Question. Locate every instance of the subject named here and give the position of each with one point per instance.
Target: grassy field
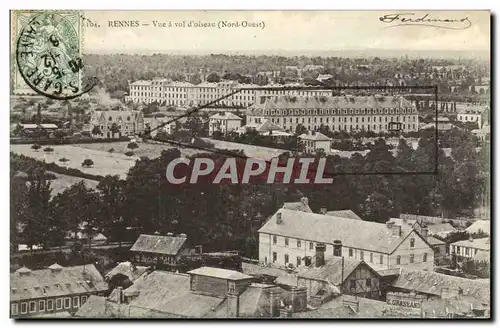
(104, 162)
(151, 150)
(64, 181)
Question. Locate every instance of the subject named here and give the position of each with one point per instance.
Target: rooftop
(480, 225)
(58, 281)
(314, 136)
(220, 273)
(344, 214)
(480, 243)
(225, 116)
(169, 245)
(127, 269)
(433, 283)
(353, 233)
(332, 270)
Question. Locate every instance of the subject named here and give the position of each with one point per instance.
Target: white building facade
(224, 123)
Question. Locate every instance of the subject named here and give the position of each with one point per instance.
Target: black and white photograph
(281, 164)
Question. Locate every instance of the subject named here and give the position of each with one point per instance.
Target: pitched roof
(297, 206)
(283, 277)
(440, 228)
(49, 283)
(484, 225)
(99, 307)
(118, 114)
(314, 136)
(353, 233)
(219, 273)
(170, 293)
(434, 241)
(127, 269)
(332, 270)
(480, 243)
(482, 256)
(225, 116)
(344, 214)
(433, 283)
(158, 283)
(169, 245)
(315, 102)
(440, 308)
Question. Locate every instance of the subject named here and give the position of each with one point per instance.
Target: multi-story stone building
(115, 124)
(339, 113)
(224, 122)
(290, 236)
(53, 290)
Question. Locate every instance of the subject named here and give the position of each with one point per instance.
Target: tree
(300, 129)
(114, 129)
(111, 150)
(87, 162)
(35, 147)
(129, 153)
(96, 130)
(48, 149)
(213, 77)
(132, 145)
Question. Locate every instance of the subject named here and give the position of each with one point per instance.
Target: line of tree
(227, 216)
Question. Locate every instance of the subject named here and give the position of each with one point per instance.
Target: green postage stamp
(47, 53)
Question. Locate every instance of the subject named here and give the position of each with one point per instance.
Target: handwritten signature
(426, 20)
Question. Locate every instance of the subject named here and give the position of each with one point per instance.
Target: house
(113, 124)
(439, 247)
(224, 122)
(345, 275)
(159, 251)
(441, 229)
(467, 249)
(313, 141)
(124, 274)
(205, 292)
(440, 286)
(479, 226)
(264, 127)
(291, 236)
(53, 290)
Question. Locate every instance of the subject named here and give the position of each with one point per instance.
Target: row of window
(47, 305)
(335, 111)
(351, 119)
(358, 127)
(468, 118)
(287, 242)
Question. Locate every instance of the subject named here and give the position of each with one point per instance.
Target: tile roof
(316, 102)
(332, 271)
(99, 307)
(283, 277)
(297, 206)
(265, 126)
(480, 243)
(483, 225)
(225, 116)
(353, 233)
(314, 136)
(434, 241)
(127, 269)
(169, 245)
(49, 283)
(441, 228)
(118, 114)
(433, 283)
(158, 284)
(440, 308)
(344, 214)
(220, 273)
(482, 256)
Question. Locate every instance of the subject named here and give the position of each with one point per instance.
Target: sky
(283, 31)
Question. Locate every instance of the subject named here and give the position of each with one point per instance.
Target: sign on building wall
(405, 300)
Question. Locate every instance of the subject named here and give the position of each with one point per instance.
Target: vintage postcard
(250, 164)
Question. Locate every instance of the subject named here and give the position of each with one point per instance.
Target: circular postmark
(48, 57)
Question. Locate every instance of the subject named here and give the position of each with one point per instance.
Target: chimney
(320, 254)
(279, 218)
(299, 299)
(396, 230)
(305, 201)
(389, 224)
(169, 234)
(120, 295)
(425, 232)
(323, 210)
(233, 305)
(273, 303)
(337, 248)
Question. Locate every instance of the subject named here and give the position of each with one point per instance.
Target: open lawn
(65, 181)
(104, 162)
